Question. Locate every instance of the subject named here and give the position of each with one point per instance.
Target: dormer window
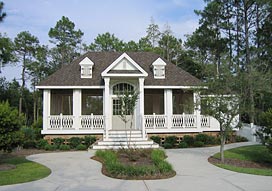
(86, 68)
(159, 69)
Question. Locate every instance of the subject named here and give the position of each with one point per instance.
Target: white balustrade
(184, 121)
(92, 121)
(205, 121)
(155, 121)
(61, 121)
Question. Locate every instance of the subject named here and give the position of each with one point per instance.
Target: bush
(81, 147)
(167, 146)
(29, 144)
(171, 141)
(58, 141)
(265, 133)
(89, 140)
(50, 147)
(202, 138)
(41, 143)
(182, 144)
(189, 140)
(64, 147)
(156, 139)
(240, 139)
(198, 144)
(74, 142)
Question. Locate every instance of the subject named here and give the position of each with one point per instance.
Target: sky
(126, 19)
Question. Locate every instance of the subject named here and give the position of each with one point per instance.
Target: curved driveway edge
(75, 171)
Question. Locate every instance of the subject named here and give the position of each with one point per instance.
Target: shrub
(202, 137)
(81, 147)
(240, 139)
(182, 144)
(64, 147)
(265, 133)
(29, 144)
(41, 143)
(58, 141)
(167, 146)
(156, 139)
(198, 144)
(50, 147)
(74, 142)
(171, 140)
(189, 140)
(89, 140)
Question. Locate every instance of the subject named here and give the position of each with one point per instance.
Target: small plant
(41, 143)
(89, 140)
(64, 147)
(170, 141)
(81, 147)
(156, 139)
(202, 137)
(58, 141)
(198, 144)
(189, 140)
(240, 139)
(50, 147)
(167, 146)
(182, 144)
(74, 142)
(29, 144)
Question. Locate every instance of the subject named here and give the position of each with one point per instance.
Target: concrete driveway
(75, 171)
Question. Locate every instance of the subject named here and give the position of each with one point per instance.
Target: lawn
(254, 159)
(25, 171)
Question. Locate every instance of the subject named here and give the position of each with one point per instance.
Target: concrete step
(139, 146)
(124, 139)
(124, 143)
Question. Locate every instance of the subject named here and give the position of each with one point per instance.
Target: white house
(81, 98)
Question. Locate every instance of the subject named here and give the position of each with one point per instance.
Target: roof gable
(127, 67)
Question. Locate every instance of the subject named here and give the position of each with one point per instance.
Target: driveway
(75, 171)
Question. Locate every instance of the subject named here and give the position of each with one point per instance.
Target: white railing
(155, 121)
(205, 121)
(184, 121)
(61, 121)
(92, 121)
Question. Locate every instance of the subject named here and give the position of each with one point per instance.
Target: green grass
(254, 153)
(114, 168)
(25, 171)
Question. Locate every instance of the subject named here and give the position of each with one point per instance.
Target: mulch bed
(240, 163)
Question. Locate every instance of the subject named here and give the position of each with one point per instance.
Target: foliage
(170, 142)
(2, 14)
(81, 147)
(58, 141)
(6, 49)
(50, 147)
(106, 42)
(183, 144)
(89, 140)
(189, 140)
(41, 143)
(10, 123)
(156, 139)
(198, 144)
(63, 147)
(25, 171)
(116, 169)
(74, 142)
(240, 139)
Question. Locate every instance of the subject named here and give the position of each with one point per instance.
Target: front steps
(120, 139)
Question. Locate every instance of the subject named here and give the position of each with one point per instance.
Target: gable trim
(106, 73)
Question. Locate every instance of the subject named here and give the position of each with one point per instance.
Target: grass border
(25, 171)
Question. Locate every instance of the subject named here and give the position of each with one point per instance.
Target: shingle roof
(69, 75)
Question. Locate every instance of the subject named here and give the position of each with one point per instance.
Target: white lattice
(184, 121)
(92, 121)
(205, 121)
(155, 121)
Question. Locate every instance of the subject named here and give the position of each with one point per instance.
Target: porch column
(168, 107)
(77, 108)
(106, 106)
(141, 106)
(46, 108)
(197, 110)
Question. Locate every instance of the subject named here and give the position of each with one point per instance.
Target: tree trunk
(223, 140)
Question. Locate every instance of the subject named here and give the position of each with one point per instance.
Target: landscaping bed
(254, 159)
(135, 164)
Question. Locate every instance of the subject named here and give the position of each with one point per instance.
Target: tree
(153, 33)
(6, 50)
(2, 14)
(25, 48)
(128, 103)
(67, 41)
(107, 42)
(10, 125)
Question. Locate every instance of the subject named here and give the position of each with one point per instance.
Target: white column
(77, 108)
(141, 107)
(197, 110)
(168, 106)
(106, 106)
(46, 108)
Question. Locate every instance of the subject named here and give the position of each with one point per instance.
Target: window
(153, 101)
(92, 102)
(183, 102)
(159, 72)
(61, 102)
(122, 88)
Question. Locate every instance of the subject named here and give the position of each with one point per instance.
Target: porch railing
(155, 121)
(184, 121)
(92, 121)
(61, 121)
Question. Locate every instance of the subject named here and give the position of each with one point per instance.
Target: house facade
(83, 98)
